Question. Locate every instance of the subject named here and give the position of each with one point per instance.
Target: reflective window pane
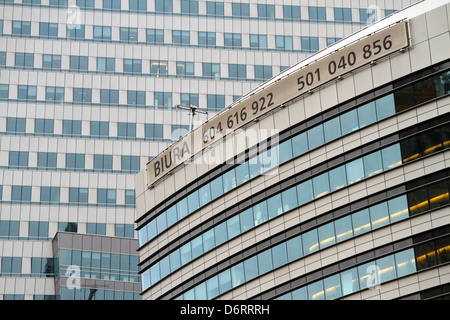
(361, 222)
(321, 185)
(438, 194)
(285, 151)
(405, 262)
(274, 206)
(310, 242)
(233, 227)
(305, 192)
(260, 213)
(332, 129)
(251, 268)
(289, 199)
(355, 171)
(349, 122)
(387, 268)
(279, 254)
(338, 178)
(220, 232)
(326, 235)
(398, 208)
(385, 106)
(246, 219)
(224, 281)
(391, 157)
(332, 286)
(350, 282)
(315, 291)
(418, 201)
(299, 144)
(315, 137)
(294, 248)
(343, 228)
(367, 114)
(237, 275)
(372, 164)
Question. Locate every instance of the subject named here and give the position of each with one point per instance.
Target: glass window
(241, 9)
(79, 63)
(153, 130)
(385, 106)
(289, 198)
(332, 129)
(332, 287)
(263, 72)
(438, 194)
(78, 195)
(321, 185)
(102, 33)
(300, 144)
(305, 192)
(285, 151)
(163, 5)
(155, 35)
(274, 206)
(180, 37)
(410, 149)
(425, 255)
(279, 255)
(349, 122)
(237, 275)
(75, 161)
(327, 236)
(338, 178)
(368, 15)
(197, 247)
(208, 240)
(343, 228)
(214, 8)
(132, 66)
(171, 214)
(216, 188)
(106, 64)
(193, 202)
(229, 181)
(367, 114)
(343, 14)
(224, 281)
(189, 6)
(398, 208)
(258, 41)
(212, 288)
(355, 171)
(260, 213)
(185, 68)
(220, 232)
(163, 99)
(21, 193)
(204, 194)
(294, 248)
(138, 5)
(211, 70)
(430, 141)
(372, 164)
(50, 194)
(317, 13)
(361, 222)
(349, 280)
(18, 158)
(315, 137)
(182, 209)
(387, 268)
(4, 91)
(237, 71)
(291, 12)
(251, 268)
(233, 227)
(315, 291)
(242, 173)
(125, 129)
(405, 262)
(246, 220)
(391, 157)
(310, 242)
(283, 42)
(379, 215)
(265, 262)
(158, 68)
(310, 44)
(47, 159)
(24, 60)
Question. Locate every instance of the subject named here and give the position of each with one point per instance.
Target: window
(291, 12)
(78, 195)
(138, 5)
(51, 61)
(106, 64)
(310, 43)
(368, 16)
(130, 163)
(85, 3)
(136, 97)
(21, 193)
(4, 91)
(48, 29)
(100, 128)
(55, 94)
(15, 125)
(215, 101)
(11, 266)
(185, 68)
(155, 35)
(330, 41)
(106, 196)
(163, 99)
(78, 63)
(109, 96)
(266, 10)
(102, 33)
(127, 130)
(21, 28)
(163, 6)
(43, 126)
(50, 194)
(180, 37)
(111, 4)
(103, 162)
(29, 1)
(189, 99)
(96, 228)
(263, 72)
(132, 66)
(75, 31)
(130, 197)
(241, 9)
(206, 38)
(153, 130)
(124, 230)
(129, 34)
(177, 132)
(317, 13)
(46, 160)
(67, 226)
(8, 228)
(388, 12)
(82, 95)
(233, 40)
(189, 6)
(2, 58)
(26, 92)
(283, 42)
(59, 3)
(158, 67)
(75, 161)
(211, 70)
(214, 8)
(237, 71)
(72, 127)
(18, 159)
(343, 14)
(24, 60)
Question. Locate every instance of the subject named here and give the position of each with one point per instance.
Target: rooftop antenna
(192, 111)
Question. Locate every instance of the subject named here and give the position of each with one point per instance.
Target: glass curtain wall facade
(349, 200)
(87, 96)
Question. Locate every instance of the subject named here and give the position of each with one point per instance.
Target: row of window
(158, 68)
(214, 102)
(386, 269)
(217, 9)
(97, 294)
(309, 190)
(98, 130)
(426, 255)
(52, 195)
(10, 229)
(304, 142)
(179, 37)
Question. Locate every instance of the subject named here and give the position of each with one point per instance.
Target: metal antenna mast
(192, 111)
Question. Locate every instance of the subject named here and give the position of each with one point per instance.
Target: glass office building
(332, 181)
(87, 96)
